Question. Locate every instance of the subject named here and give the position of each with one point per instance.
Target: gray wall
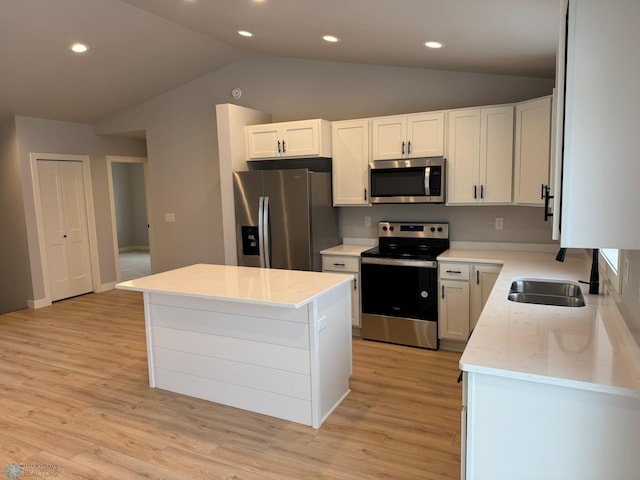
(182, 140)
(466, 224)
(130, 204)
(14, 261)
(37, 135)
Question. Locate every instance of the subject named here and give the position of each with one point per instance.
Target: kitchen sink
(546, 292)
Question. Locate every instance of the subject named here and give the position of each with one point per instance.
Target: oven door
(399, 301)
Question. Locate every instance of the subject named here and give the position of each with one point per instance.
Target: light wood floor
(74, 394)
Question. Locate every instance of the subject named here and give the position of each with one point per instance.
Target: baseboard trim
(40, 303)
(105, 287)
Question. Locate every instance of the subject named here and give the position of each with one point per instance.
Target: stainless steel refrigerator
(284, 218)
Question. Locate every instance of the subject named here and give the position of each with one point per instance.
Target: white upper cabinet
(602, 127)
(304, 138)
(480, 156)
(408, 136)
(350, 166)
(532, 149)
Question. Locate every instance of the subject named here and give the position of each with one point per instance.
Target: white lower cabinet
(463, 292)
(347, 264)
(483, 278)
(530, 430)
(453, 302)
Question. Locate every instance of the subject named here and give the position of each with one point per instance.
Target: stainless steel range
(400, 284)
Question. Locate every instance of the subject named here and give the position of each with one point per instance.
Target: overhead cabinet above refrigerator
(284, 218)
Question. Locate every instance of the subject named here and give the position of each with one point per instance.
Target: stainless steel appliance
(284, 218)
(399, 284)
(416, 180)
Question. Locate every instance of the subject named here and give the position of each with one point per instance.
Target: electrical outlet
(367, 221)
(499, 223)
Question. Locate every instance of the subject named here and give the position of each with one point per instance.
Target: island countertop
(262, 286)
(583, 347)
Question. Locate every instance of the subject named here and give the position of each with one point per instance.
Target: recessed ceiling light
(79, 48)
(330, 38)
(244, 33)
(431, 44)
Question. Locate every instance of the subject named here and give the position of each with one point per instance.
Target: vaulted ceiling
(141, 48)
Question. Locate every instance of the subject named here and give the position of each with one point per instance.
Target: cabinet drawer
(340, 263)
(454, 271)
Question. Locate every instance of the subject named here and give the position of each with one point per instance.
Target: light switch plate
(499, 223)
(367, 221)
(169, 217)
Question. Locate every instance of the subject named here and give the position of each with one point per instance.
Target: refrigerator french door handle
(267, 229)
(261, 231)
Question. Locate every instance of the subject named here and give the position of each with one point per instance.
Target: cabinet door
(389, 135)
(463, 155)
(601, 166)
(482, 281)
(454, 310)
(425, 134)
(301, 138)
(347, 264)
(496, 155)
(533, 138)
(350, 162)
(263, 141)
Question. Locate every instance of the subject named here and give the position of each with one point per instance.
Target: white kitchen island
(276, 342)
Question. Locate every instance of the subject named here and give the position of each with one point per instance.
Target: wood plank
(74, 392)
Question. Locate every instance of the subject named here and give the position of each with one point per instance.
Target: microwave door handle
(427, 173)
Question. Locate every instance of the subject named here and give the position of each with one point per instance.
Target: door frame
(90, 213)
(111, 159)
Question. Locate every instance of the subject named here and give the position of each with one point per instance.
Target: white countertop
(263, 286)
(586, 347)
(350, 250)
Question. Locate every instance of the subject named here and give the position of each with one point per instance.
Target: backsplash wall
(631, 294)
(466, 224)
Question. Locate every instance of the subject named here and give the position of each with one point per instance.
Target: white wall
(184, 170)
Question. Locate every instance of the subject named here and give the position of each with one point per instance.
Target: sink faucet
(594, 278)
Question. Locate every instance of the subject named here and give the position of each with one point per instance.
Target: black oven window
(405, 182)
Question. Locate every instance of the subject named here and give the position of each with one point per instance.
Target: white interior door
(65, 228)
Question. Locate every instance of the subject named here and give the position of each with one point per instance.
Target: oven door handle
(396, 262)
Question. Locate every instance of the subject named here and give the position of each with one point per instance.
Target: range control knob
(384, 228)
(433, 229)
(439, 229)
(391, 228)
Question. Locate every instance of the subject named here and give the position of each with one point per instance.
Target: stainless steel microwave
(415, 180)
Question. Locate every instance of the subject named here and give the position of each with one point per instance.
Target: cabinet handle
(402, 148)
(547, 197)
(475, 192)
(339, 265)
(355, 283)
(284, 148)
(477, 277)
(481, 191)
(542, 191)
(442, 291)
(365, 193)
(279, 151)
(409, 147)
(454, 271)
